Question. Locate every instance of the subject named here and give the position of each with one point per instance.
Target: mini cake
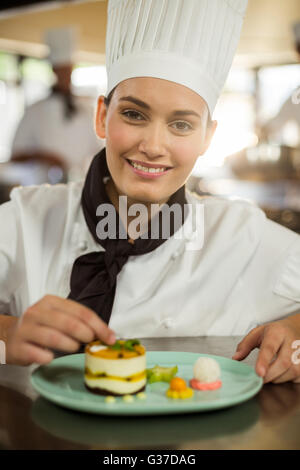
(115, 370)
(206, 374)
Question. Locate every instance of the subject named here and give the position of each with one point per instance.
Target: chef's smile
(146, 170)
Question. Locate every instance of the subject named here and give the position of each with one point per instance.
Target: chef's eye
(181, 126)
(133, 115)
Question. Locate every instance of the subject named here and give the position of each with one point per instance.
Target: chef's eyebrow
(136, 101)
(177, 113)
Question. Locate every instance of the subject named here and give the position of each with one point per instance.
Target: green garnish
(161, 374)
(116, 346)
(129, 345)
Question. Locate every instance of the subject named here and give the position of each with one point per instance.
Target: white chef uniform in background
(245, 273)
(44, 126)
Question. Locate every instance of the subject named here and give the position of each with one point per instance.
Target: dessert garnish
(161, 374)
(206, 374)
(128, 344)
(178, 389)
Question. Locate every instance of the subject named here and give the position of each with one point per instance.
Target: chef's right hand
(53, 323)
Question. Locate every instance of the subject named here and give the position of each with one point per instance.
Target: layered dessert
(115, 370)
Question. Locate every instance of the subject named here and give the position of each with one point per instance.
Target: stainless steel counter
(270, 420)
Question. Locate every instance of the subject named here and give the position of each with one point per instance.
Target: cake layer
(119, 387)
(115, 367)
(131, 378)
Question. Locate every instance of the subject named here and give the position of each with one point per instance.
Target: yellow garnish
(141, 396)
(110, 399)
(178, 389)
(128, 398)
(183, 394)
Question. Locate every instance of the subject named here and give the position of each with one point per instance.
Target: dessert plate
(62, 383)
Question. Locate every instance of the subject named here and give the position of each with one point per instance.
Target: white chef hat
(190, 42)
(296, 29)
(62, 44)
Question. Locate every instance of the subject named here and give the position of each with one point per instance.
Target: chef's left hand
(276, 359)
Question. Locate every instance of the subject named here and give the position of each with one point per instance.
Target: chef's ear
(101, 118)
(210, 131)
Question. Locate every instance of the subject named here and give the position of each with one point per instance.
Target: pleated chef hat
(61, 43)
(190, 42)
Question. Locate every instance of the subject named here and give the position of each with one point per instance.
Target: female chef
(232, 272)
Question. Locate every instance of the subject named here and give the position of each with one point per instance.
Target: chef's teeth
(148, 170)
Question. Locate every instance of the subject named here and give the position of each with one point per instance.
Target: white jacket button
(175, 254)
(167, 323)
(192, 236)
(83, 245)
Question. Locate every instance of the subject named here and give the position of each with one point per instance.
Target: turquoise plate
(61, 382)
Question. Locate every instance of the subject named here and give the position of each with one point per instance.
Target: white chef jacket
(45, 128)
(246, 271)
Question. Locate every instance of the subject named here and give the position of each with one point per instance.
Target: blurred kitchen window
(276, 84)
(8, 66)
(235, 113)
(89, 79)
(37, 79)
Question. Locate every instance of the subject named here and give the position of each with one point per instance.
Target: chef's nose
(154, 141)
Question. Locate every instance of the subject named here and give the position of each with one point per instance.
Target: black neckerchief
(94, 275)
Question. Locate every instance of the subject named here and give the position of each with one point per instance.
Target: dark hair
(107, 99)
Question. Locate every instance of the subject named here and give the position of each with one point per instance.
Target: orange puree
(110, 353)
(179, 389)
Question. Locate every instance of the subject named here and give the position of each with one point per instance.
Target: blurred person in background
(59, 128)
(290, 110)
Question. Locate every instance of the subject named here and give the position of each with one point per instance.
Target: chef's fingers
(284, 368)
(24, 354)
(287, 376)
(251, 341)
(47, 337)
(271, 343)
(69, 325)
(85, 314)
